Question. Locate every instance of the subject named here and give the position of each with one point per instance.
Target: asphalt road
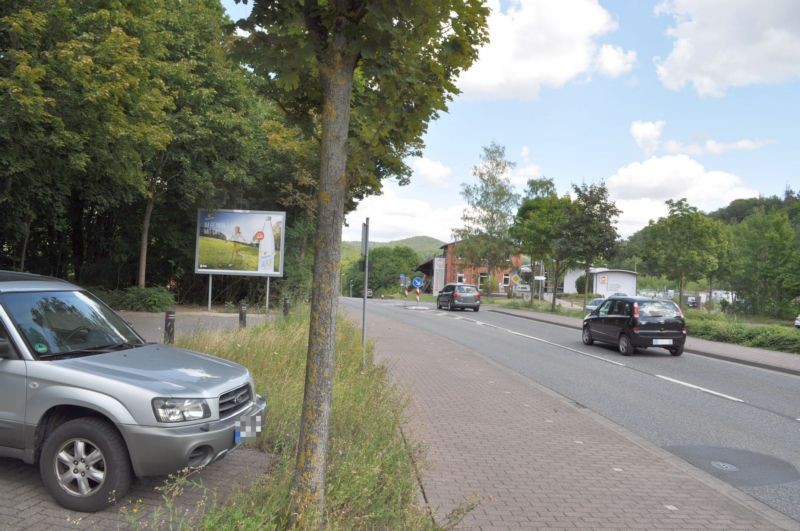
(738, 423)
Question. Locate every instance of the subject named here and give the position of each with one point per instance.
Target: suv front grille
(233, 401)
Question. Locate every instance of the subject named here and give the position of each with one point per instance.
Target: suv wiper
(94, 350)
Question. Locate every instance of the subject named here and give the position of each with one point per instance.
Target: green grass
(223, 254)
(371, 481)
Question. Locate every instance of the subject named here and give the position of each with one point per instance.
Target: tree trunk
(76, 235)
(143, 243)
(307, 501)
(556, 265)
(681, 283)
(586, 286)
(25, 237)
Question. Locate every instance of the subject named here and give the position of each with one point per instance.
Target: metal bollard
(242, 316)
(169, 326)
(285, 306)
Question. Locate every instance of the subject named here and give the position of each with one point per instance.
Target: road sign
(417, 282)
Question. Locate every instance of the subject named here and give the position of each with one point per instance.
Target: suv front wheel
(85, 465)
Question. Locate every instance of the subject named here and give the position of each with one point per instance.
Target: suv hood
(163, 369)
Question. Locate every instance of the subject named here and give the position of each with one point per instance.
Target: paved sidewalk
(530, 459)
(758, 357)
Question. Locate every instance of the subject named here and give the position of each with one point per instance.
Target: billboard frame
(201, 216)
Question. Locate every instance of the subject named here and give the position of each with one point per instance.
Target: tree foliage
(685, 245)
(386, 266)
(484, 237)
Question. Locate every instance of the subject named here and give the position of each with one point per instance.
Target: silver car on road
(86, 398)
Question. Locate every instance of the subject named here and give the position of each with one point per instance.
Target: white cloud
(713, 147)
(392, 217)
(432, 171)
(613, 61)
(641, 188)
(542, 43)
(647, 135)
(520, 175)
(720, 44)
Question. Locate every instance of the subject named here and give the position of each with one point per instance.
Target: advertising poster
(240, 242)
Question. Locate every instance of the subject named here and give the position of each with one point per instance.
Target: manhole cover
(737, 466)
(725, 467)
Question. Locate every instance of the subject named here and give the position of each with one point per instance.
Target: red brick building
(458, 270)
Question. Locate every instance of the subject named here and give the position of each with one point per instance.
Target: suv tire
(106, 477)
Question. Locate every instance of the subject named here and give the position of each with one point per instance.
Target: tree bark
(556, 266)
(24, 251)
(307, 502)
(681, 284)
(143, 243)
(76, 235)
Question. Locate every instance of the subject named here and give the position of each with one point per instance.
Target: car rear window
(658, 309)
(466, 289)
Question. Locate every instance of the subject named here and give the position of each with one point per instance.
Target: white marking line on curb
(601, 358)
(709, 391)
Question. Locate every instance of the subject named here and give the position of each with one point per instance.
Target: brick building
(458, 270)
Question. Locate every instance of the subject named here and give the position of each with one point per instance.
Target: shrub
(137, 299)
(771, 337)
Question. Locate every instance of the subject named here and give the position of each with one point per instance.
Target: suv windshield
(658, 309)
(56, 323)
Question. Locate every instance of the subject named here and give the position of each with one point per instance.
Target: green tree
(212, 130)
(766, 263)
(685, 245)
(540, 228)
(491, 202)
(394, 65)
(592, 233)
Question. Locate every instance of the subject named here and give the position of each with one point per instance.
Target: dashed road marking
(703, 389)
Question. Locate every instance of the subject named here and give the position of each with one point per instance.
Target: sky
(666, 99)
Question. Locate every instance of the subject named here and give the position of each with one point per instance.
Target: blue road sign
(417, 282)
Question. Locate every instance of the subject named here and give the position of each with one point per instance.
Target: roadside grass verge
(371, 478)
(720, 328)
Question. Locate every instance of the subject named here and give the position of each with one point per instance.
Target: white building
(604, 281)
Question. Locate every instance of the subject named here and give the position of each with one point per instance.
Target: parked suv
(632, 322)
(458, 297)
(86, 398)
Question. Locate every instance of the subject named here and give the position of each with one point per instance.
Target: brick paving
(530, 459)
(24, 503)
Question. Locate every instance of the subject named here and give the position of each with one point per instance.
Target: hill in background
(425, 246)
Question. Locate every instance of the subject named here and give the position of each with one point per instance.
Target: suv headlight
(180, 409)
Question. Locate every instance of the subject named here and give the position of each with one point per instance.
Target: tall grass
(371, 481)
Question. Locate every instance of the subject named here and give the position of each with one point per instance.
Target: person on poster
(266, 247)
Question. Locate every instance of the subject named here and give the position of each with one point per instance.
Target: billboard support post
(210, 283)
(266, 300)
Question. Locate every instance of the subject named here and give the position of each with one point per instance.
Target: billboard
(240, 242)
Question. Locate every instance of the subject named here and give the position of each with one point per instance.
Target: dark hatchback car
(459, 296)
(637, 322)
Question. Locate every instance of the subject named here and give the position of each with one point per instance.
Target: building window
(506, 279)
(483, 280)
(460, 277)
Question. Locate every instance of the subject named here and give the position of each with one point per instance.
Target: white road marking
(671, 507)
(601, 358)
(709, 391)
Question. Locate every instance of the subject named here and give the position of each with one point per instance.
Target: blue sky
(659, 99)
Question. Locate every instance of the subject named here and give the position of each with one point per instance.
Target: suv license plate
(662, 342)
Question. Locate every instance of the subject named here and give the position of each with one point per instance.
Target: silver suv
(85, 397)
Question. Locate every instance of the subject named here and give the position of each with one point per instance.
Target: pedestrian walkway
(507, 453)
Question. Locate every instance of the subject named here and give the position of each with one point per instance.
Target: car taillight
(636, 310)
(478, 296)
(456, 295)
